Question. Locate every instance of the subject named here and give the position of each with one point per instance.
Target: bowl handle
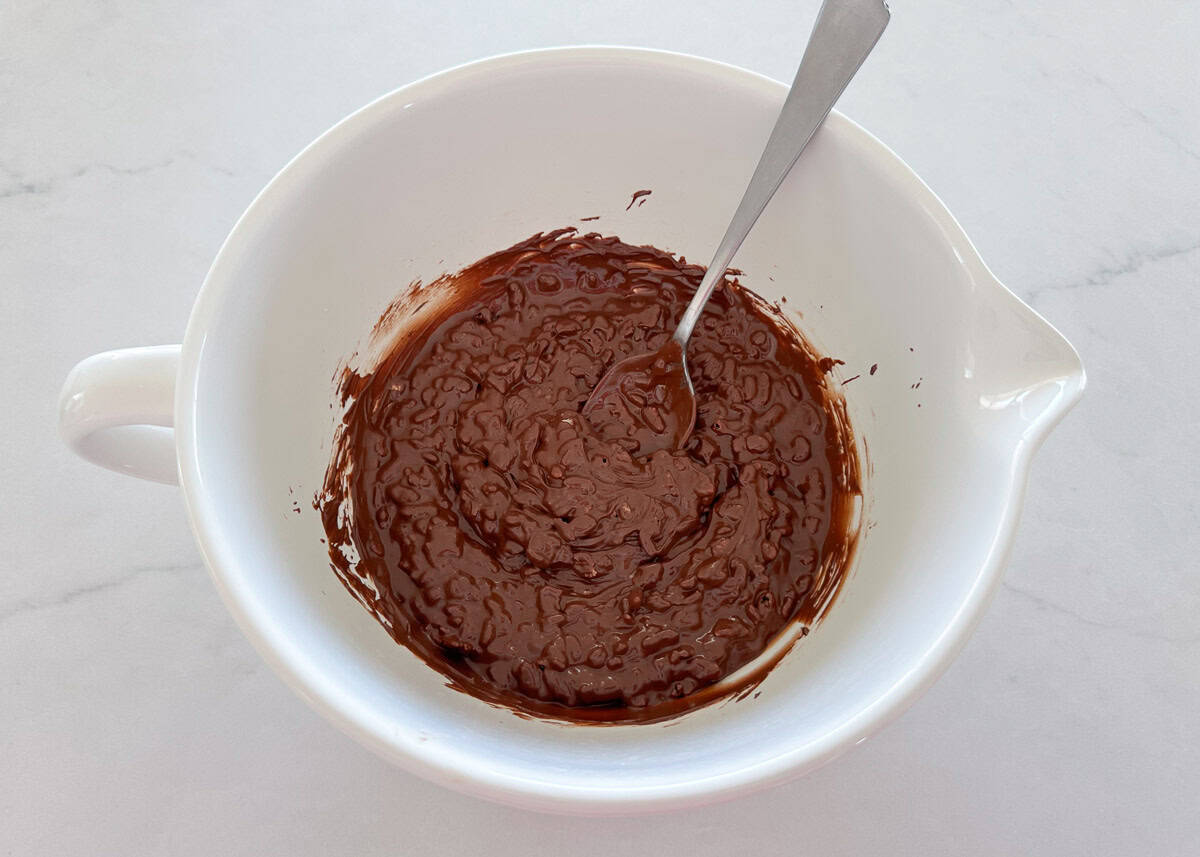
(117, 410)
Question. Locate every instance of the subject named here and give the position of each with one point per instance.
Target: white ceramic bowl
(448, 169)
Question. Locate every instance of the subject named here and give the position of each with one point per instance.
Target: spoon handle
(845, 32)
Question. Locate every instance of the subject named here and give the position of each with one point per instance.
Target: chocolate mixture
(544, 562)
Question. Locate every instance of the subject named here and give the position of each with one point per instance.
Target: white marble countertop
(135, 719)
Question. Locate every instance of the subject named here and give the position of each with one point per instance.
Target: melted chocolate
(556, 566)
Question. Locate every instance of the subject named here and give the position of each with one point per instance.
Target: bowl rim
(425, 758)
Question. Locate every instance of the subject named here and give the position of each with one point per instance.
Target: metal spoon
(649, 397)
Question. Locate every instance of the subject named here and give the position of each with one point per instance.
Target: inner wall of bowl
(424, 183)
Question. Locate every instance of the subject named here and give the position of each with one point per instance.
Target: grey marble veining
(135, 719)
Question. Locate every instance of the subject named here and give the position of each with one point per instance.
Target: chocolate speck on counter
(542, 563)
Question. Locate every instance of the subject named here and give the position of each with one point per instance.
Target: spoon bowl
(647, 399)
